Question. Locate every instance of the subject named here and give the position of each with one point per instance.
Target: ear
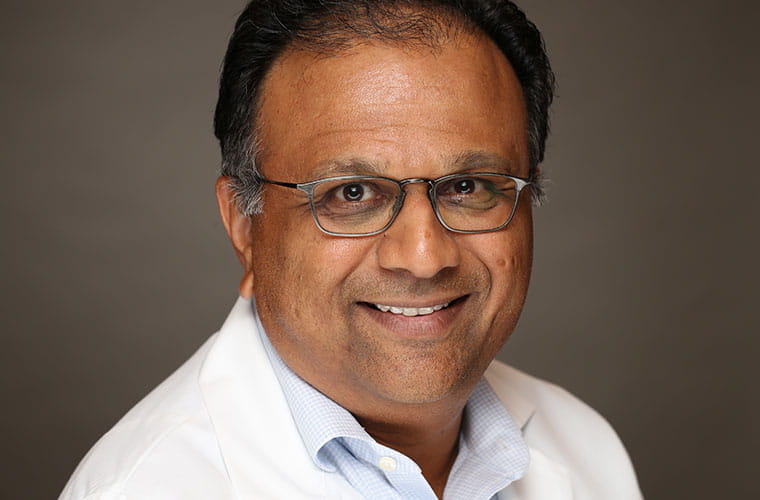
(238, 227)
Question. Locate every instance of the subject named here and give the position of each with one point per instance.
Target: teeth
(411, 311)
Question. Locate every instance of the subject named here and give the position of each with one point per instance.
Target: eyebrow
(462, 162)
(481, 160)
(351, 166)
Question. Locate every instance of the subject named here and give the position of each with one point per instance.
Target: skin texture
(401, 113)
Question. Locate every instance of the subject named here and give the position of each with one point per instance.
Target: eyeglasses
(365, 205)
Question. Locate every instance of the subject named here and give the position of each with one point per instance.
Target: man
(379, 161)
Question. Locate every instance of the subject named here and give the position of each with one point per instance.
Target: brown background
(115, 266)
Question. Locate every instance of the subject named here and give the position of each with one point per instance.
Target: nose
(416, 242)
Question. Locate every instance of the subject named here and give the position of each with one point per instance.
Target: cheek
(507, 255)
(509, 267)
(329, 259)
(293, 256)
(518, 258)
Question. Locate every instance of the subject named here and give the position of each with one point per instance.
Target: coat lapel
(545, 479)
(263, 452)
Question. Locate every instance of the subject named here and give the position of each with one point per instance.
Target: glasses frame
(308, 188)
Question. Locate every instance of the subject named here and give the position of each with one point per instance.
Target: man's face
(402, 114)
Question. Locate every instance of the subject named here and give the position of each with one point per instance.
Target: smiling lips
(431, 322)
(411, 311)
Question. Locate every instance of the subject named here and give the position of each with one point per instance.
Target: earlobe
(238, 227)
(246, 285)
(246, 282)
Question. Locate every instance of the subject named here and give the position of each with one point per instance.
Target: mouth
(413, 311)
(416, 319)
(410, 311)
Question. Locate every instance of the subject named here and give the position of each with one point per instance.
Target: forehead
(388, 105)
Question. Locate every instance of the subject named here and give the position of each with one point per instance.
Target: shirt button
(388, 464)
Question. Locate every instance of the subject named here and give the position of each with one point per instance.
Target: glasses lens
(356, 205)
(476, 202)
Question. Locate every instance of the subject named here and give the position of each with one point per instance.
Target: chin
(425, 384)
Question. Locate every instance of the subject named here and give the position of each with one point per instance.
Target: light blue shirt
(492, 452)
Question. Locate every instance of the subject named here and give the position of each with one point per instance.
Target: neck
(430, 438)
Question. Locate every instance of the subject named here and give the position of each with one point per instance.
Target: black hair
(268, 28)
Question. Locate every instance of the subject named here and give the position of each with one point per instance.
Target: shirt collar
(490, 438)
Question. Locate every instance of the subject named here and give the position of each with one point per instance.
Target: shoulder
(166, 439)
(567, 432)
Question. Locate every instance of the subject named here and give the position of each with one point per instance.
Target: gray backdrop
(115, 266)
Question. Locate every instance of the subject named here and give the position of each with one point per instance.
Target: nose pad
(416, 242)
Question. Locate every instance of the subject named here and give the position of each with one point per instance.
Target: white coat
(220, 428)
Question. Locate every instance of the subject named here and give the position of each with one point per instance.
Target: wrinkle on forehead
(391, 80)
(390, 73)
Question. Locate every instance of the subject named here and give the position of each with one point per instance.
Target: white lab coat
(220, 428)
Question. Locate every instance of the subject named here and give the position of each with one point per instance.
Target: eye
(476, 192)
(464, 186)
(353, 192)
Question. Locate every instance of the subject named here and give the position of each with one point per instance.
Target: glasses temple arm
(291, 185)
